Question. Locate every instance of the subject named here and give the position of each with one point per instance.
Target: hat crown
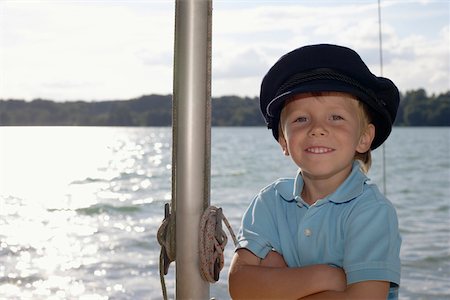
(321, 56)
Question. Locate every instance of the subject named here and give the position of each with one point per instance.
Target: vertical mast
(191, 139)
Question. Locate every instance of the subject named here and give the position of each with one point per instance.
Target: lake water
(80, 206)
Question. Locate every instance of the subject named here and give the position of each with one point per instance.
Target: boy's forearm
(363, 290)
(257, 282)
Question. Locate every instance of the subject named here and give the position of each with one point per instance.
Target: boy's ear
(283, 143)
(365, 141)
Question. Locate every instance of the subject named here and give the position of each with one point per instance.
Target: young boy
(328, 233)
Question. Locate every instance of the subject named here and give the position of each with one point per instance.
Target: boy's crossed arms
(270, 278)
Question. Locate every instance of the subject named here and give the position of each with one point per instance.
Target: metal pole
(191, 139)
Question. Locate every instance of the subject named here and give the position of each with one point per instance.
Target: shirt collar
(351, 188)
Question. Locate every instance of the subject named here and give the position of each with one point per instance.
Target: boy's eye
(301, 119)
(336, 117)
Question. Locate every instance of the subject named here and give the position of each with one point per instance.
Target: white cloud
(95, 51)
(413, 59)
(67, 50)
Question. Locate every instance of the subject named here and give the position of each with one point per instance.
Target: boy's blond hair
(365, 159)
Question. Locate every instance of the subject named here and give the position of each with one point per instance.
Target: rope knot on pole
(213, 240)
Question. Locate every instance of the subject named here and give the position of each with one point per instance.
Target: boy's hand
(336, 278)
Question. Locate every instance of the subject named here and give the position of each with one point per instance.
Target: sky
(98, 50)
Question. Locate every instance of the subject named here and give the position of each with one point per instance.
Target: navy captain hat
(329, 68)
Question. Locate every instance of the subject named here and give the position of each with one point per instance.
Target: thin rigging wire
(380, 40)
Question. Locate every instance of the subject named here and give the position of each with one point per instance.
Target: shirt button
(307, 232)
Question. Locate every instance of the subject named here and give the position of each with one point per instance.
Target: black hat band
(322, 74)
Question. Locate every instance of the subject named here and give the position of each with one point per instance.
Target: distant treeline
(416, 109)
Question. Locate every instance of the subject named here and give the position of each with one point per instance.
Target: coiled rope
(212, 242)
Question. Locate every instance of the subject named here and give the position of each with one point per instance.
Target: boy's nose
(318, 130)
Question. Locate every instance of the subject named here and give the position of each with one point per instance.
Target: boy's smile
(322, 134)
(319, 150)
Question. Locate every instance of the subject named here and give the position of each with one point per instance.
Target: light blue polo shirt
(354, 228)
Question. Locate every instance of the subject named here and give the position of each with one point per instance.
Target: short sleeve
(258, 232)
(372, 244)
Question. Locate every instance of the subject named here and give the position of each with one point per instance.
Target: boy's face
(322, 133)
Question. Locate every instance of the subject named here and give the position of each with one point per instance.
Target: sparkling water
(80, 206)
